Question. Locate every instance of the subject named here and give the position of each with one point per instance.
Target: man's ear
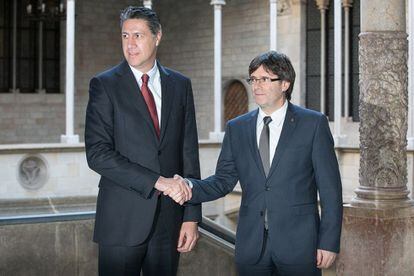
(285, 86)
(159, 35)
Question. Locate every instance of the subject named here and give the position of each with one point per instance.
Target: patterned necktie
(149, 100)
(264, 145)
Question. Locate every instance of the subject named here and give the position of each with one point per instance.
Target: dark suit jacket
(122, 146)
(304, 163)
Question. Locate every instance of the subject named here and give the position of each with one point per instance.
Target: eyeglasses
(261, 80)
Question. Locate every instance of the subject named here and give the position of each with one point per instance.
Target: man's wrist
(189, 183)
(158, 183)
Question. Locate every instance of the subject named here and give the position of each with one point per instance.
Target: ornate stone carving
(284, 7)
(383, 110)
(32, 172)
(322, 4)
(347, 3)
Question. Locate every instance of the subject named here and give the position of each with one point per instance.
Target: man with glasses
(283, 155)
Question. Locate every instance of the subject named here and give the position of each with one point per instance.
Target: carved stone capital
(322, 4)
(347, 3)
(299, 2)
(284, 7)
(383, 110)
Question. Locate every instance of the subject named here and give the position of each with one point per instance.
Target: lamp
(46, 10)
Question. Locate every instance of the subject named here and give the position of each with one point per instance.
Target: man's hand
(188, 236)
(324, 259)
(183, 182)
(177, 189)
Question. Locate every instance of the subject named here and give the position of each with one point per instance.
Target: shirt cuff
(189, 183)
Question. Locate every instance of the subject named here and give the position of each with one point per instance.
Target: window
(313, 59)
(235, 101)
(30, 55)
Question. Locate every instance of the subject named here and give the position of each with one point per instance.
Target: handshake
(176, 188)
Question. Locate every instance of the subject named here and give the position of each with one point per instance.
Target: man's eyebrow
(133, 32)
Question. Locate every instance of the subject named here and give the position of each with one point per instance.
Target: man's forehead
(135, 25)
(263, 71)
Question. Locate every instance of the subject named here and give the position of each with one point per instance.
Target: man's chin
(261, 105)
(134, 64)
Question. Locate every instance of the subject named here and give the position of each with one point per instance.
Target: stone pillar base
(382, 198)
(69, 139)
(216, 136)
(376, 242)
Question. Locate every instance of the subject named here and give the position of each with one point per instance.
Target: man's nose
(255, 86)
(131, 42)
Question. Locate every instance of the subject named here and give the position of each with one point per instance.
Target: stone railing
(61, 244)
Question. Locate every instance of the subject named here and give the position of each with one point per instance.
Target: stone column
(337, 71)
(147, 4)
(70, 137)
(273, 24)
(410, 135)
(383, 105)
(14, 50)
(217, 134)
(347, 4)
(378, 226)
(323, 6)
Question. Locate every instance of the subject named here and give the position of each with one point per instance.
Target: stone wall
(98, 47)
(69, 175)
(66, 248)
(40, 118)
(58, 171)
(26, 118)
(187, 46)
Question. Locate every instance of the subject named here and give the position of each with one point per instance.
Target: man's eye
(138, 35)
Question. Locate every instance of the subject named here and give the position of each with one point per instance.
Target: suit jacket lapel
(252, 137)
(167, 97)
(288, 127)
(132, 91)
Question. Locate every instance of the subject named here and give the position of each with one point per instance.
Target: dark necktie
(149, 100)
(265, 154)
(264, 144)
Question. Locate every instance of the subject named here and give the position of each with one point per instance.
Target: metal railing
(208, 227)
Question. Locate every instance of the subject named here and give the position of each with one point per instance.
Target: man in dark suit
(140, 128)
(283, 155)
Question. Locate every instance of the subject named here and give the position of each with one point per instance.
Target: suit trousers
(158, 255)
(268, 265)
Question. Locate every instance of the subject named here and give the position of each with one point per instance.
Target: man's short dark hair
(146, 14)
(278, 64)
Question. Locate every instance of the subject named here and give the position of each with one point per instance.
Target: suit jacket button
(261, 213)
(159, 152)
(267, 188)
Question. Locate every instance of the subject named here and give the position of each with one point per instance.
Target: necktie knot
(267, 120)
(145, 79)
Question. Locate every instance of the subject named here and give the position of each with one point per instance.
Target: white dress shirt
(154, 84)
(275, 128)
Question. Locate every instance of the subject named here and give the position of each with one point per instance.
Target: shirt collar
(278, 116)
(151, 73)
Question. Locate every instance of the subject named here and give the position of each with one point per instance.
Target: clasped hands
(176, 188)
